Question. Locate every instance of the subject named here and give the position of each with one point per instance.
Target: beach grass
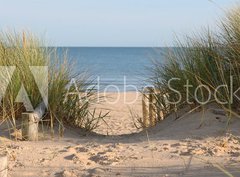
(23, 50)
(210, 58)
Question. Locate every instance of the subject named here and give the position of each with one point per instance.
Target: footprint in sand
(100, 159)
(81, 149)
(74, 158)
(62, 151)
(175, 145)
(185, 153)
(175, 152)
(106, 158)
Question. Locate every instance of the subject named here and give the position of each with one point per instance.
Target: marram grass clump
(18, 53)
(211, 59)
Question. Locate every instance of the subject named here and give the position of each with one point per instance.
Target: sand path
(172, 148)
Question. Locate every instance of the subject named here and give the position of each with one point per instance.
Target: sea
(115, 69)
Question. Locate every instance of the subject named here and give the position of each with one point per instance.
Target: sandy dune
(172, 148)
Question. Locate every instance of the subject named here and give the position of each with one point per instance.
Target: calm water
(112, 66)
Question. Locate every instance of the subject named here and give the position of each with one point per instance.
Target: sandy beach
(172, 148)
(123, 109)
(120, 88)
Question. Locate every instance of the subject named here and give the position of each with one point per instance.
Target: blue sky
(110, 22)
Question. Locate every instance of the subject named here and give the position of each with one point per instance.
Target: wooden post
(3, 166)
(152, 109)
(159, 111)
(29, 126)
(145, 110)
(149, 107)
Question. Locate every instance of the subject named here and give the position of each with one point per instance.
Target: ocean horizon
(114, 69)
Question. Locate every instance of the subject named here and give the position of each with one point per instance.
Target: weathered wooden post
(145, 110)
(29, 126)
(3, 165)
(152, 107)
(30, 122)
(148, 107)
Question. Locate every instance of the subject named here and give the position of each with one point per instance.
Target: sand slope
(172, 148)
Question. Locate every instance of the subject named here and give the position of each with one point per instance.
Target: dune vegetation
(208, 61)
(23, 51)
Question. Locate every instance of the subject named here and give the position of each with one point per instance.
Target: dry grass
(209, 58)
(24, 50)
